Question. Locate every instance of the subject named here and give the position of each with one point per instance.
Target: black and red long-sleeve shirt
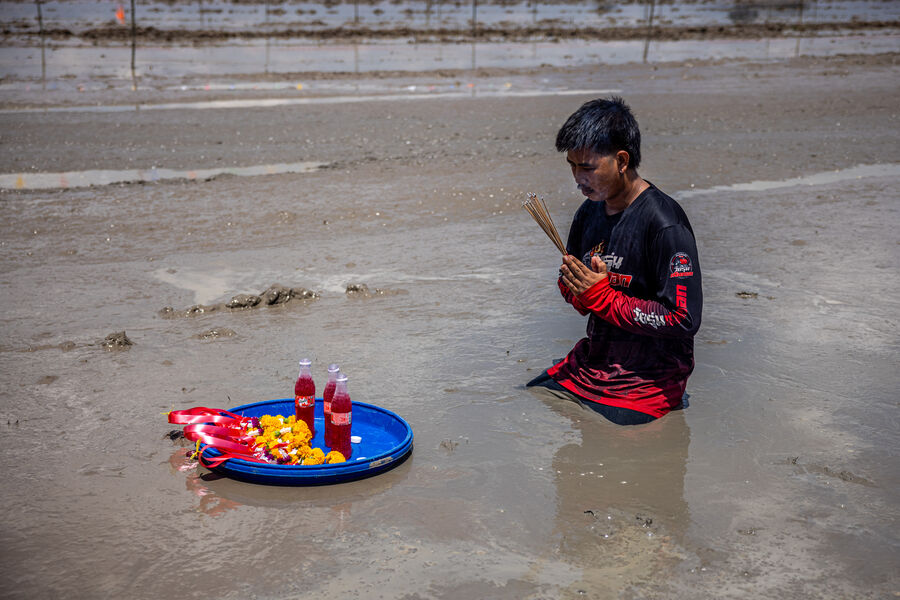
(639, 349)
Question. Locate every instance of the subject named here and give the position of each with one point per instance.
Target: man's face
(596, 175)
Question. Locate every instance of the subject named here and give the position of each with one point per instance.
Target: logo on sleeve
(680, 266)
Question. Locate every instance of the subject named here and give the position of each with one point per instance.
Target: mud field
(167, 248)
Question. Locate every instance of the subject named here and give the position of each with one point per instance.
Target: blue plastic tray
(386, 440)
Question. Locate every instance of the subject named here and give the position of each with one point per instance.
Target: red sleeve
(646, 317)
(679, 301)
(570, 297)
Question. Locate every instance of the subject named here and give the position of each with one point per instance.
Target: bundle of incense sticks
(538, 211)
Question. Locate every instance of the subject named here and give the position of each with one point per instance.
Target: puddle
(75, 179)
(823, 178)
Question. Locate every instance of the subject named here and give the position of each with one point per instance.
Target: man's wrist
(594, 293)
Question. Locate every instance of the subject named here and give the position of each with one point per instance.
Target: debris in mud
(175, 434)
(47, 379)
(612, 522)
(449, 445)
(243, 301)
(361, 290)
(275, 294)
(748, 531)
(216, 332)
(747, 295)
(117, 341)
(644, 521)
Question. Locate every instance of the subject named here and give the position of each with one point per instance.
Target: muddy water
(779, 480)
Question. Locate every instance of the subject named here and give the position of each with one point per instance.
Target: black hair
(604, 126)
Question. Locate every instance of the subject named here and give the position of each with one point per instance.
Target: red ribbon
(219, 429)
(201, 414)
(193, 433)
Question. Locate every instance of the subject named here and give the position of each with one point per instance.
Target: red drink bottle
(305, 396)
(341, 409)
(327, 395)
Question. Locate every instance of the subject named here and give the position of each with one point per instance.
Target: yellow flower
(267, 421)
(316, 457)
(301, 431)
(334, 457)
(304, 451)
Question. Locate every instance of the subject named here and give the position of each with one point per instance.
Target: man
(632, 266)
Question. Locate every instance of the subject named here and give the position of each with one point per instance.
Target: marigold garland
(286, 441)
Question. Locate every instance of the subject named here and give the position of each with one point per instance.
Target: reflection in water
(209, 503)
(218, 494)
(621, 509)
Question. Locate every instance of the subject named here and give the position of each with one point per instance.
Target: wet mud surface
(437, 296)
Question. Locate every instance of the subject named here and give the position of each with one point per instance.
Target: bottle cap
(305, 362)
(333, 368)
(342, 378)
